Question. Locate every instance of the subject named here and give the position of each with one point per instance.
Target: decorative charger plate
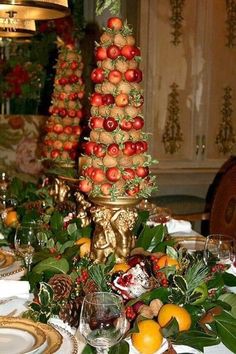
(191, 243)
(54, 338)
(9, 265)
(20, 336)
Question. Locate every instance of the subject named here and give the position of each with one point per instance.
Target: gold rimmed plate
(20, 336)
(9, 259)
(54, 338)
(191, 243)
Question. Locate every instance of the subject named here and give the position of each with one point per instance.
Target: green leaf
(120, 348)
(88, 350)
(141, 220)
(230, 299)
(148, 234)
(72, 229)
(65, 246)
(34, 306)
(180, 283)
(171, 252)
(226, 329)
(45, 294)
(172, 328)
(56, 221)
(229, 279)
(197, 339)
(52, 264)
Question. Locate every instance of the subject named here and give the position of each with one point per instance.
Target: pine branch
(195, 275)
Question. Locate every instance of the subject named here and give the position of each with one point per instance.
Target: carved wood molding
(226, 137)
(176, 20)
(231, 23)
(172, 136)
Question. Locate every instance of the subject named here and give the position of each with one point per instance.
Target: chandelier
(33, 9)
(20, 28)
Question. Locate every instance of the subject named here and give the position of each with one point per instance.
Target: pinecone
(90, 287)
(61, 285)
(70, 312)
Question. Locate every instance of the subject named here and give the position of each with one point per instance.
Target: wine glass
(26, 241)
(102, 320)
(219, 247)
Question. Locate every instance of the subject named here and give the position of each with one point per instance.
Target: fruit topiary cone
(63, 128)
(115, 162)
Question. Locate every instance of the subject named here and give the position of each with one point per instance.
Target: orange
(85, 246)
(120, 267)
(11, 218)
(168, 311)
(167, 261)
(149, 338)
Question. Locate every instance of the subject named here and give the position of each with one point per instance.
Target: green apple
(203, 290)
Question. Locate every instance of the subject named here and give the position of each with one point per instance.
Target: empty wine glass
(25, 242)
(102, 320)
(220, 248)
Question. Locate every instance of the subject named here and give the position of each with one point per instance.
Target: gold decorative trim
(176, 20)
(172, 136)
(231, 22)
(226, 137)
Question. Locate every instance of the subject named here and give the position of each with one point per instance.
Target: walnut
(146, 311)
(155, 306)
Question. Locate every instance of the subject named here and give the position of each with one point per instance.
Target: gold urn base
(114, 223)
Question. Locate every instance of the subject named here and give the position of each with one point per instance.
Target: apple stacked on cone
(115, 161)
(63, 127)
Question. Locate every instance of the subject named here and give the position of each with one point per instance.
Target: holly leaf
(180, 283)
(52, 264)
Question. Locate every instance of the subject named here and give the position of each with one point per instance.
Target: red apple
(110, 124)
(114, 23)
(115, 76)
(108, 99)
(55, 153)
(113, 51)
(142, 171)
(122, 100)
(141, 147)
(68, 145)
(139, 75)
(125, 125)
(128, 174)
(63, 81)
(132, 191)
(106, 188)
(113, 174)
(62, 112)
(72, 113)
(58, 128)
(73, 79)
(99, 150)
(96, 122)
(101, 53)
(67, 130)
(85, 186)
(138, 123)
(98, 175)
(113, 150)
(74, 65)
(89, 147)
(130, 75)
(129, 51)
(77, 130)
(129, 148)
(96, 99)
(98, 75)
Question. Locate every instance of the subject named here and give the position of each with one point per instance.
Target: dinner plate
(69, 344)
(9, 259)
(54, 338)
(191, 243)
(20, 336)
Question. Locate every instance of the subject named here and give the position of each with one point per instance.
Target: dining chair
(217, 213)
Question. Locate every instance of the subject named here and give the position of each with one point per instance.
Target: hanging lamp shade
(21, 28)
(34, 9)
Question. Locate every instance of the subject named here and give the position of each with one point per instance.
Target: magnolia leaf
(229, 279)
(142, 218)
(52, 264)
(56, 221)
(197, 339)
(65, 245)
(181, 283)
(226, 329)
(88, 350)
(171, 329)
(230, 299)
(72, 230)
(120, 348)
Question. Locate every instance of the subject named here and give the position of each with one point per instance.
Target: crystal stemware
(26, 242)
(220, 248)
(102, 320)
